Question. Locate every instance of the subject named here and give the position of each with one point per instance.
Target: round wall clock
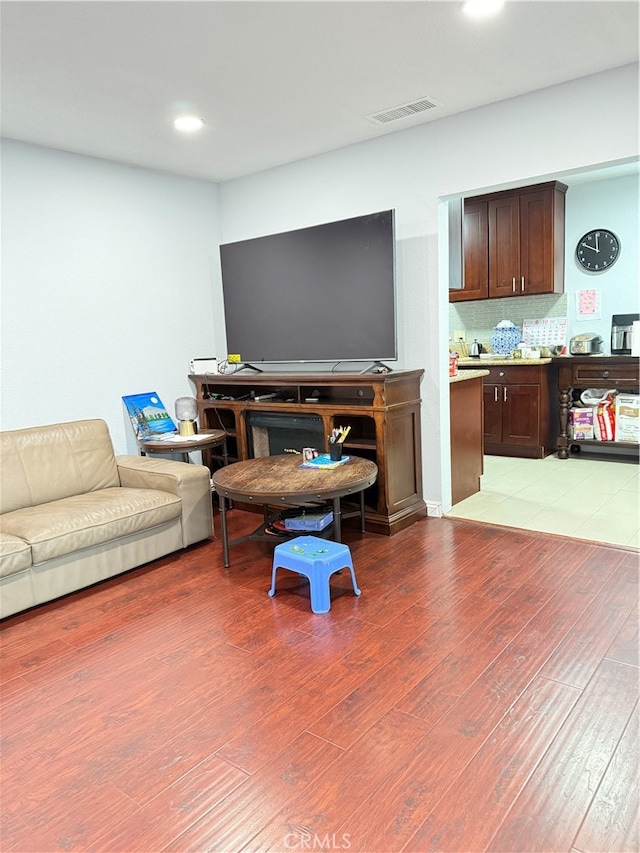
(597, 250)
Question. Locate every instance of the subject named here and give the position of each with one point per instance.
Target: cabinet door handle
(495, 393)
(513, 284)
(522, 284)
(504, 392)
(605, 373)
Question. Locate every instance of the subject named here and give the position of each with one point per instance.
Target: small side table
(186, 444)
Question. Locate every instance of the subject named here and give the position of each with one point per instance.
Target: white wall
(108, 276)
(611, 205)
(111, 278)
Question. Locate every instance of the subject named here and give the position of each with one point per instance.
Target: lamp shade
(186, 413)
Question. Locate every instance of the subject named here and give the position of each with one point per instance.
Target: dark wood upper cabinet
(513, 243)
(504, 246)
(475, 253)
(542, 240)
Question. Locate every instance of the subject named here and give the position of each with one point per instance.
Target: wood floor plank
(576, 658)
(625, 647)
(337, 792)
(259, 742)
(101, 711)
(152, 772)
(18, 659)
(414, 792)
(467, 659)
(234, 821)
(548, 817)
(173, 706)
(106, 661)
(612, 819)
(61, 818)
(568, 559)
(373, 698)
(503, 572)
(174, 809)
(472, 809)
(87, 614)
(386, 582)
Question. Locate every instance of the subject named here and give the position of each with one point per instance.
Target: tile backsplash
(479, 317)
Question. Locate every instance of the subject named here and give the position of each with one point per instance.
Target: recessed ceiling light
(481, 8)
(188, 123)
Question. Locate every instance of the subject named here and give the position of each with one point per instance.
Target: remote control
(260, 397)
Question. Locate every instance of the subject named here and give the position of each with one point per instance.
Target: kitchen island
(466, 432)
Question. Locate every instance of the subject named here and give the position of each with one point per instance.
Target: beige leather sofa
(72, 513)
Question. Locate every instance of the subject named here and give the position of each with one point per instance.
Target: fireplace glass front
(271, 434)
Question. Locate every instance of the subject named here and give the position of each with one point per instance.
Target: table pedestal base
(332, 531)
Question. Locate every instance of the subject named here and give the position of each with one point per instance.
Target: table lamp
(186, 414)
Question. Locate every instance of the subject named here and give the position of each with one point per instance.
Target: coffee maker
(622, 333)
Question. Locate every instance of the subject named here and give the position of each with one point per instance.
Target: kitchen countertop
(500, 362)
(624, 358)
(468, 374)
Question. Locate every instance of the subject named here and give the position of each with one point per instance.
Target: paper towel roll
(635, 338)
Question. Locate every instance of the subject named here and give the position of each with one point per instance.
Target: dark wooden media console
(383, 411)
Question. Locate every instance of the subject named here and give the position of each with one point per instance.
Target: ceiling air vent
(404, 111)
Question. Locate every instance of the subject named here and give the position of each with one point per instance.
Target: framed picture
(149, 415)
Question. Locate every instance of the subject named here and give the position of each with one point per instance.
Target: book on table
(309, 521)
(324, 462)
(149, 416)
(176, 438)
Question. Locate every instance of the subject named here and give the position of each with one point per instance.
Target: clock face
(597, 250)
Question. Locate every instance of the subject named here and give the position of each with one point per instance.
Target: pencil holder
(335, 451)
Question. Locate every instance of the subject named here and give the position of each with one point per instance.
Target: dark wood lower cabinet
(521, 415)
(492, 397)
(520, 411)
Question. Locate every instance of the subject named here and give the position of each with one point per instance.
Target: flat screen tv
(320, 294)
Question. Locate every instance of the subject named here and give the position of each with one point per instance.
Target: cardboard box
(628, 417)
(581, 423)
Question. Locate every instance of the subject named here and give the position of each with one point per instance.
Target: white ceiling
(278, 81)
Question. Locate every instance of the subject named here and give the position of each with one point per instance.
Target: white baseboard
(434, 510)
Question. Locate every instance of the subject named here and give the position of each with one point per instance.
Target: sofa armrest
(191, 483)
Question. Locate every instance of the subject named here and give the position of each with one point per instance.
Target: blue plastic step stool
(316, 559)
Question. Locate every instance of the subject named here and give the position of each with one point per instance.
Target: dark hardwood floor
(480, 695)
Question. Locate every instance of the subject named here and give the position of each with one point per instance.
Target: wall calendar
(546, 332)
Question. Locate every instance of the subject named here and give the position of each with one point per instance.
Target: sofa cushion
(15, 555)
(48, 463)
(85, 521)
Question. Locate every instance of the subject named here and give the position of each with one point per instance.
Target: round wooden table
(186, 444)
(280, 481)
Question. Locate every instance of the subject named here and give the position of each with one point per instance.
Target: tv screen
(323, 293)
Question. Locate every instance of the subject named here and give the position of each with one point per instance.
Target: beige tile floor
(590, 499)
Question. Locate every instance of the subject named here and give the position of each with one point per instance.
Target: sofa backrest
(47, 463)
